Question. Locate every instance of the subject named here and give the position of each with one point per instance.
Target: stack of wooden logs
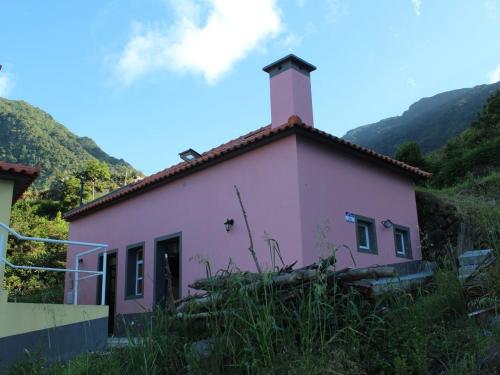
(214, 290)
(474, 265)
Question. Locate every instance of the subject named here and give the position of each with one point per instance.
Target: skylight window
(189, 155)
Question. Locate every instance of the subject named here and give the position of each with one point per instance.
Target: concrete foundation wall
(55, 332)
(55, 344)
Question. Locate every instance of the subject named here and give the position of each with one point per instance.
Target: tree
(25, 220)
(411, 154)
(95, 172)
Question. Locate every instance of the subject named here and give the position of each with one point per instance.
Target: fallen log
(367, 273)
(222, 282)
(200, 303)
(190, 297)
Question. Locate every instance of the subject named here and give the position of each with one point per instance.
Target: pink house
(296, 181)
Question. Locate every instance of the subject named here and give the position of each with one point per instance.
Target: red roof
(232, 148)
(22, 175)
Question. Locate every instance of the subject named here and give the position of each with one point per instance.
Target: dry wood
(487, 262)
(492, 310)
(189, 298)
(367, 273)
(200, 303)
(221, 282)
(250, 248)
(291, 283)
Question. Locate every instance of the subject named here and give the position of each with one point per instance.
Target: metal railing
(94, 247)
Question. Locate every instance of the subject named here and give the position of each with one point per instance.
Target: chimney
(290, 90)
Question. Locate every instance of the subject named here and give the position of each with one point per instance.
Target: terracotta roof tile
(254, 137)
(22, 175)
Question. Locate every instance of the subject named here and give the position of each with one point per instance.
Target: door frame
(177, 235)
(98, 290)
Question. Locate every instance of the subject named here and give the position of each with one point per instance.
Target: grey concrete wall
(55, 344)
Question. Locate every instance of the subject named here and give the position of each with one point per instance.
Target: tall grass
(319, 329)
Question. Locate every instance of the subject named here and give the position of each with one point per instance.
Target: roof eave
(258, 141)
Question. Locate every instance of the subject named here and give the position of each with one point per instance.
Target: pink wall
(290, 187)
(291, 95)
(332, 183)
(197, 205)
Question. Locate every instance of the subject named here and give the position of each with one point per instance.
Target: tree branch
(250, 248)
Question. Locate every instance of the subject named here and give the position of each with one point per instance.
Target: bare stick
(252, 251)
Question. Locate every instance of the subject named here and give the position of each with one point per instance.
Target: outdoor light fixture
(387, 223)
(229, 224)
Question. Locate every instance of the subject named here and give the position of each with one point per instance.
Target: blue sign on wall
(349, 217)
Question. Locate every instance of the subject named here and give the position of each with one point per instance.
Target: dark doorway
(167, 269)
(110, 298)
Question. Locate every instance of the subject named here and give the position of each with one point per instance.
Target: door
(110, 298)
(167, 269)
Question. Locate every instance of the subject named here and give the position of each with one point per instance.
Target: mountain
(430, 122)
(29, 135)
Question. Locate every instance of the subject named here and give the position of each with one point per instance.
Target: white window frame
(400, 235)
(137, 277)
(402, 239)
(367, 225)
(367, 236)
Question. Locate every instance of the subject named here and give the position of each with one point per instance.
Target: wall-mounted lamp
(229, 224)
(80, 260)
(387, 223)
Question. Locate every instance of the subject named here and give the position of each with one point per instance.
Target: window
(365, 235)
(139, 272)
(135, 271)
(402, 241)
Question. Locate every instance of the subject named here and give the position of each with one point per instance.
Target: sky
(148, 79)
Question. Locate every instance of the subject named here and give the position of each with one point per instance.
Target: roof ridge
(233, 145)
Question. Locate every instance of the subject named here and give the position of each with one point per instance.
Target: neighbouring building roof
(233, 148)
(22, 175)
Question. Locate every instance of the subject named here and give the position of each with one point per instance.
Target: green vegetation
(475, 152)
(410, 153)
(319, 330)
(430, 122)
(323, 328)
(458, 208)
(39, 214)
(31, 136)
(25, 219)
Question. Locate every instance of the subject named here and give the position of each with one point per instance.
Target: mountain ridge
(430, 121)
(29, 135)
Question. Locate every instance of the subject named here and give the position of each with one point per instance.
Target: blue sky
(149, 79)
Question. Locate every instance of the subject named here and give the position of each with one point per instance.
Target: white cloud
(292, 41)
(495, 75)
(336, 9)
(417, 4)
(209, 45)
(6, 84)
(410, 81)
(492, 8)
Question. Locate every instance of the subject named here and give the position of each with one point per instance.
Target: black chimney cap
(287, 62)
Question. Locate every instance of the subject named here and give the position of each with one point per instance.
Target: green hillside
(431, 122)
(476, 152)
(29, 135)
